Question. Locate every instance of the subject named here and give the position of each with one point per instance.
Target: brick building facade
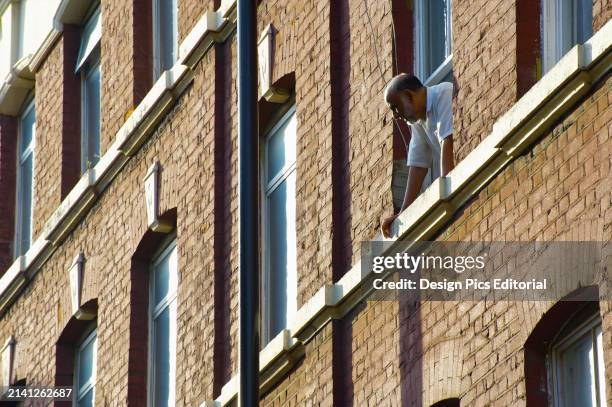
(533, 147)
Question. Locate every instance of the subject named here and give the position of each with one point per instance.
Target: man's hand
(416, 175)
(385, 225)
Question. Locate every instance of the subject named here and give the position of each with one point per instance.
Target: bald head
(406, 97)
(400, 83)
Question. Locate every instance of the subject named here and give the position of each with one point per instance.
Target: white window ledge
(16, 87)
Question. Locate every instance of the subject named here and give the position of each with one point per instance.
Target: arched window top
(575, 361)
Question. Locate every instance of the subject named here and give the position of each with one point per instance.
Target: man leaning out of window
(428, 111)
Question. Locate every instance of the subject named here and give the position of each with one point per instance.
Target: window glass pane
(282, 255)
(281, 147)
(28, 128)
(291, 305)
(576, 371)
(435, 33)
(87, 399)
(161, 383)
(566, 35)
(25, 200)
(165, 275)
(86, 363)
(92, 115)
(278, 259)
(584, 23)
(163, 330)
(167, 33)
(162, 281)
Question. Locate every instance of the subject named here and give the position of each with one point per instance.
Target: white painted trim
(209, 24)
(16, 87)
(267, 189)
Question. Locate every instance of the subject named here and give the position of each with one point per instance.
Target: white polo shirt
(427, 135)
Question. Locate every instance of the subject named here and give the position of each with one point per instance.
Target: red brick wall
(48, 150)
(484, 65)
(57, 154)
(602, 12)
(125, 62)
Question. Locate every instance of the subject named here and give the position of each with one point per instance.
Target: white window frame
(21, 157)
(554, 35)
(421, 47)
(154, 311)
(563, 343)
(90, 63)
(157, 52)
(91, 384)
(267, 189)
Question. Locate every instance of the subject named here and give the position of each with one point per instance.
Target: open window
(434, 44)
(279, 276)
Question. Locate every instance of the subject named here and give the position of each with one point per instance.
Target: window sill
(16, 87)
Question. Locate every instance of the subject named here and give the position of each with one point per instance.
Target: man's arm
(416, 175)
(448, 161)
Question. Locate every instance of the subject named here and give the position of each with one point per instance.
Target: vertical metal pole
(248, 168)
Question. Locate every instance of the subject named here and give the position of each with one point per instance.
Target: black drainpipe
(248, 169)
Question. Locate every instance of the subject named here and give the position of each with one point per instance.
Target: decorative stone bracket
(76, 289)
(151, 181)
(265, 51)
